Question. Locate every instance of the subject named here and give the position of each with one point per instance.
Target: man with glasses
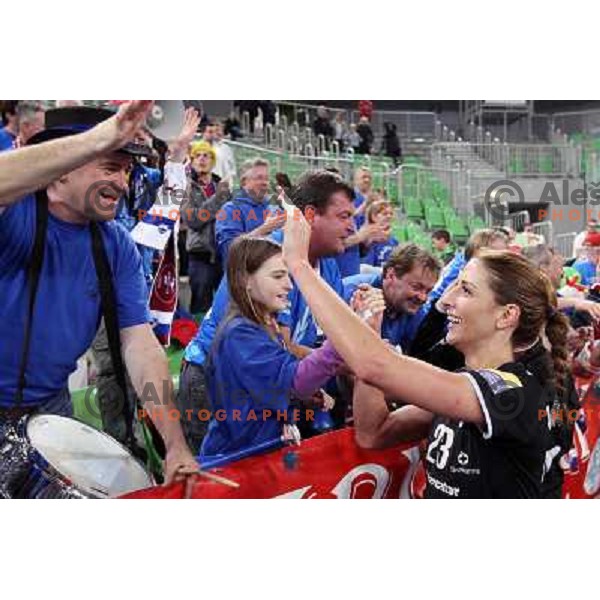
(249, 210)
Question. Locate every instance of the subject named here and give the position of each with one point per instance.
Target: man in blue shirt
(78, 165)
(407, 279)
(23, 119)
(363, 181)
(328, 199)
(30, 115)
(365, 233)
(248, 211)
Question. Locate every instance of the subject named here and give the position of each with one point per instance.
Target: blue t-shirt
(359, 220)
(249, 372)
(398, 329)
(304, 330)
(7, 140)
(348, 262)
(298, 316)
(241, 215)
(379, 252)
(67, 310)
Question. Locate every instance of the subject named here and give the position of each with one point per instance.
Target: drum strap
(109, 311)
(33, 277)
(108, 299)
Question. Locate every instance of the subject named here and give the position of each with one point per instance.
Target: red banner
(327, 466)
(163, 297)
(582, 464)
(333, 466)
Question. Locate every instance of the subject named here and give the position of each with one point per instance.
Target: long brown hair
(515, 280)
(246, 255)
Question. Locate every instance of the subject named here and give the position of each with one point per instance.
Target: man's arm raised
(31, 168)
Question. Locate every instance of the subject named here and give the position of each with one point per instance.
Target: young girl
(487, 425)
(382, 214)
(250, 375)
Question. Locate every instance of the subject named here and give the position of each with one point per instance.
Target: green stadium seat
(449, 212)
(399, 231)
(434, 217)
(413, 208)
(458, 229)
(422, 240)
(546, 164)
(516, 166)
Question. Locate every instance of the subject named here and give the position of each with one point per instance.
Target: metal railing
(527, 129)
(565, 244)
(526, 160)
(518, 220)
(591, 165)
(245, 123)
(297, 119)
(257, 129)
(286, 158)
(243, 152)
(270, 136)
(409, 124)
(544, 229)
(304, 114)
(542, 159)
(293, 164)
(449, 185)
(584, 121)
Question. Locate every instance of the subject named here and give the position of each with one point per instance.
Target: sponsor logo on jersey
(500, 381)
(442, 486)
(465, 471)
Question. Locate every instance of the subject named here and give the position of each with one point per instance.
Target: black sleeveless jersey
(503, 459)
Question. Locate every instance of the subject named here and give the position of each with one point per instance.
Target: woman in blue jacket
(382, 214)
(251, 376)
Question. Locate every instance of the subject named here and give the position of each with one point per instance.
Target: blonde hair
(202, 146)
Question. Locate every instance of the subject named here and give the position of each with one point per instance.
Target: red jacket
(365, 108)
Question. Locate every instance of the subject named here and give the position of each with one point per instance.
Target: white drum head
(95, 463)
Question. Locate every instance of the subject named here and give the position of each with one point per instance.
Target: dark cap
(70, 120)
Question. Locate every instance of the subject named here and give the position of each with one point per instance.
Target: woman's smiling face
(471, 309)
(271, 284)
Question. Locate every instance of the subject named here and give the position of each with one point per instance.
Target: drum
(49, 456)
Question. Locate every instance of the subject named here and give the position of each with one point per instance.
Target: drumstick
(184, 470)
(219, 479)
